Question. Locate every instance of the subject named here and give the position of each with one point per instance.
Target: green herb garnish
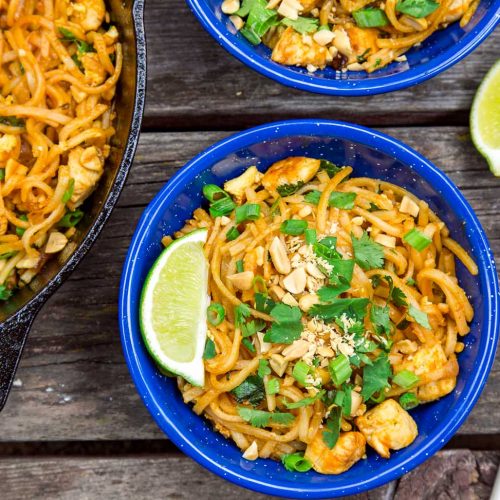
(368, 253)
(259, 418)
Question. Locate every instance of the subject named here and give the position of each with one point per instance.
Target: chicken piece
(387, 427)
(10, 146)
(292, 172)
(350, 447)
(237, 186)
(89, 14)
(354, 42)
(426, 360)
(455, 11)
(86, 167)
(293, 51)
(94, 72)
(435, 390)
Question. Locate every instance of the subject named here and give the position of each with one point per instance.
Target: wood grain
(75, 385)
(450, 474)
(194, 84)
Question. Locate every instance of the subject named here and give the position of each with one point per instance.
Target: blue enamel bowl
(371, 154)
(440, 51)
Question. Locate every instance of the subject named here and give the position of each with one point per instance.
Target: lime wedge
(485, 118)
(173, 308)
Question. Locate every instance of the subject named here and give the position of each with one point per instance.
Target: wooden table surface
(74, 426)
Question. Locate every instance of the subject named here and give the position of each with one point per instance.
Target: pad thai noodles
(60, 63)
(352, 35)
(335, 309)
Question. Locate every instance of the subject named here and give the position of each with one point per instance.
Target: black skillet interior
(17, 315)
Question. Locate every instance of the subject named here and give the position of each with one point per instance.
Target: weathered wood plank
(75, 385)
(194, 84)
(452, 474)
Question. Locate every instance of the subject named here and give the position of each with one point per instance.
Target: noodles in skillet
(335, 309)
(60, 63)
(350, 35)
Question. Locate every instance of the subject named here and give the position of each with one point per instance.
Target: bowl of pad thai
(348, 47)
(309, 309)
(72, 82)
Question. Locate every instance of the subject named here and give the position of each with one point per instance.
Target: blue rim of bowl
(286, 76)
(354, 133)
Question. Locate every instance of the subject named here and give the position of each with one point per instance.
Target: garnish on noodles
(59, 65)
(335, 309)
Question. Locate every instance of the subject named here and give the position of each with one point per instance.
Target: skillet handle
(13, 335)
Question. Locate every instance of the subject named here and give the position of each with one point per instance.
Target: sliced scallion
(295, 462)
(222, 207)
(418, 240)
(232, 234)
(248, 211)
(215, 313)
(300, 372)
(340, 369)
(405, 379)
(311, 236)
(408, 401)
(239, 266)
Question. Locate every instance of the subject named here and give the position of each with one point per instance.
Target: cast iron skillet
(17, 315)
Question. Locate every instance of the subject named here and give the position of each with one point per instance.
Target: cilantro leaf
(419, 317)
(313, 197)
(342, 200)
(263, 303)
(379, 316)
(303, 402)
(287, 326)
(341, 274)
(5, 293)
(353, 308)
(250, 390)
(302, 25)
(376, 376)
(12, 121)
(263, 369)
(288, 189)
(330, 168)
(417, 8)
(272, 386)
(399, 297)
(210, 351)
(260, 418)
(368, 253)
(331, 435)
(241, 312)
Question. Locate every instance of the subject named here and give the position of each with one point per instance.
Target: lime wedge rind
(485, 132)
(192, 370)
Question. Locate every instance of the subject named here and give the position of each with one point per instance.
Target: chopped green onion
(311, 236)
(293, 227)
(259, 285)
(7, 255)
(222, 207)
(378, 399)
(411, 282)
(239, 266)
(248, 344)
(248, 211)
(370, 18)
(210, 351)
(213, 193)
(275, 206)
(405, 379)
(295, 462)
(21, 230)
(408, 401)
(340, 369)
(2, 174)
(250, 35)
(339, 398)
(300, 372)
(215, 313)
(418, 240)
(232, 234)
(71, 219)
(69, 191)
